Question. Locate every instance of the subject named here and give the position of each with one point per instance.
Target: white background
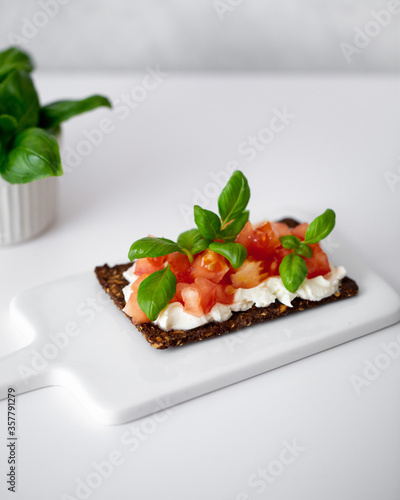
(298, 35)
(336, 152)
(340, 150)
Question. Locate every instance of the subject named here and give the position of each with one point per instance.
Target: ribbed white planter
(26, 209)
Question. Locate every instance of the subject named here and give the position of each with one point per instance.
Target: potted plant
(29, 150)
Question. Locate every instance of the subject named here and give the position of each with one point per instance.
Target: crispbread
(113, 282)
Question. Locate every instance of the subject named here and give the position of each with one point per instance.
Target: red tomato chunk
(209, 265)
(149, 265)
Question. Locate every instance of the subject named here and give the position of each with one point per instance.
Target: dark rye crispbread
(113, 282)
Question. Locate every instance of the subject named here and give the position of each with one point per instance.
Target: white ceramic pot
(26, 210)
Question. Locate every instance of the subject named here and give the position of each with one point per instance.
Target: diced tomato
(276, 260)
(249, 274)
(209, 265)
(300, 230)
(132, 308)
(318, 264)
(225, 294)
(244, 237)
(280, 228)
(273, 235)
(149, 265)
(260, 242)
(180, 266)
(199, 297)
(178, 293)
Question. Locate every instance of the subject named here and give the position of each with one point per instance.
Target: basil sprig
(210, 228)
(216, 232)
(28, 148)
(293, 268)
(233, 216)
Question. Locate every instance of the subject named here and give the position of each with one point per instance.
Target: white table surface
(336, 152)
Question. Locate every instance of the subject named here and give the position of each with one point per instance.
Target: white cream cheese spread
(173, 317)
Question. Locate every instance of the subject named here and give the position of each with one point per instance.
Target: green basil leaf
(14, 58)
(19, 99)
(208, 222)
(3, 156)
(34, 155)
(8, 129)
(200, 246)
(152, 247)
(230, 232)
(304, 250)
(193, 241)
(56, 112)
(293, 271)
(234, 197)
(320, 227)
(234, 252)
(290, 241)
(156, 291)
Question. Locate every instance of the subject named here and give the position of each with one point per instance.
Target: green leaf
(12, 59)
(304, 250)
(230, 232)
(19, 99)
(320, 227)
(3, 156)
(193, 241)
(156, 291)
(293, 271)
(234, 197)
(8, 129)
(200, 246)
(234, 252)
(290, 241)
(56, 112)
(152, 247)
(34, 155)
(208, 222)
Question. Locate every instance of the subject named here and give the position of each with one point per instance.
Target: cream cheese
(173, 317)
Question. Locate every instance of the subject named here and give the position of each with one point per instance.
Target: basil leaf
(18, 98)
(152, 247)
(290, 241)
(304, 250)
(8, 128)
(193, 241)
(3, 156)
(234, 252)
(56, 112)
(156, 291)
(230, 232)
(208, 222)
(320, 227)
(234, 197)
(293, 271)
(200, 246)
(12, 59)
(34, 155)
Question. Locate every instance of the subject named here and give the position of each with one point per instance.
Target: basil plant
(28, 145)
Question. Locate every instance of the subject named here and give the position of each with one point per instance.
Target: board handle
(22, 372)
